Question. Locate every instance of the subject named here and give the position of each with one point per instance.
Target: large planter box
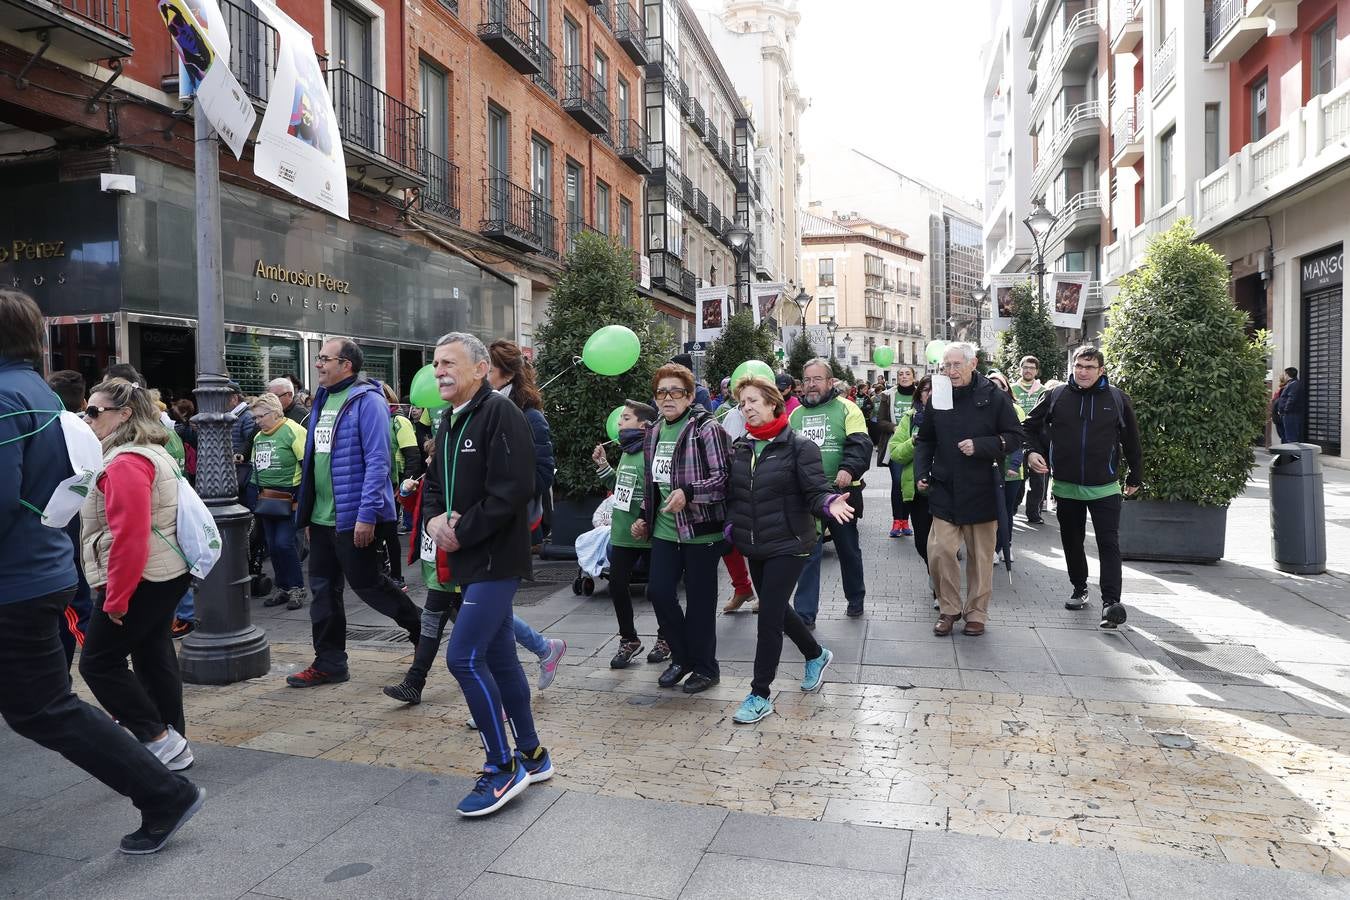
(1172, 531)
(570, 518)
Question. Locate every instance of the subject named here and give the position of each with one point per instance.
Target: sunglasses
(94, 412)
(673, 393)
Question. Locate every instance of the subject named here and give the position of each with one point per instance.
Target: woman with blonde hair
(277, 455)
(130, 556)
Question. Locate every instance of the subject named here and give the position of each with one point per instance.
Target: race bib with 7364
(428, 548)
(814, 427)
(662, 463)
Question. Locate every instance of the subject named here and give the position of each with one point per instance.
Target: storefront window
(379, 362)
(255, 359)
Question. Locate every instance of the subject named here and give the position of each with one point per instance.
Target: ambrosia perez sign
(18, 250)
(302, 278)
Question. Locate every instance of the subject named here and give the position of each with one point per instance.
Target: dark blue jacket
(35, 560)
(544, 462)
(360, 459)
(1291, 398)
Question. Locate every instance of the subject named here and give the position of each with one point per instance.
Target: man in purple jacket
(345, 492)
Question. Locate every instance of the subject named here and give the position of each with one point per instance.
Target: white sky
(898, 79)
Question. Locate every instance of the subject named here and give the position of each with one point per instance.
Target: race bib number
(663, 462)
(814, 428)
(323, 433)
(623, 490)
(262, 457)
(428, 553)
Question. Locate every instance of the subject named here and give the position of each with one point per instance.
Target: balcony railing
(631, 31)
(1220, 17)
(517, 216)
(573, 227)
(547, 78)
(380, 127)
(440, 196)
(1126, 24)
(511, 28)
(665, 165)
(1126, 131)
(663, 56)
(585, 98)
(1165, 64)
(253, 49)
(696, 116)
(114, 15)
(701, 206)
(633, 146)
(714, 218)
(688, 284)
(712, 137)
(687, 196)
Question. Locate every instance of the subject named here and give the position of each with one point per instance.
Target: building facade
(1006, 106)
(867, 288)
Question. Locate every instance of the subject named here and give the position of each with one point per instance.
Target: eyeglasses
(1086, 367)
(672, 393)
(94, 412)
(815, 379)
(327, 359)
(951, 366)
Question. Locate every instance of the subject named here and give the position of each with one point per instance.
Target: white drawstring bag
(198, 536)
(86, 461)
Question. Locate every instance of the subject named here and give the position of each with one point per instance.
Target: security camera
(115, 183)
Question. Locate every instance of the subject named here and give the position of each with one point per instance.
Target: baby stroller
(593, 553)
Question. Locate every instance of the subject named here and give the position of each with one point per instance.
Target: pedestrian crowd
(756, 482)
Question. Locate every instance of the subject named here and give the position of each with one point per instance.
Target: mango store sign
(306, 281)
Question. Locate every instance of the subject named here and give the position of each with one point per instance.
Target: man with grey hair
(475, 502)
(284, 388)
(955, 461)
(346, 491)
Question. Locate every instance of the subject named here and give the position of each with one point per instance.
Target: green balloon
(611, 350)
(934, 352)
(748, 368)
(612, 423)
(884, 357)
(425, 392)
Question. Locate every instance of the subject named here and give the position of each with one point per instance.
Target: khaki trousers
(980, 540)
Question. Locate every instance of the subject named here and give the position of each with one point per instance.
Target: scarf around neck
(769, 430)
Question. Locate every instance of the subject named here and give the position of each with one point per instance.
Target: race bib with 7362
(662, 463)
(814, 427)
(624, 483)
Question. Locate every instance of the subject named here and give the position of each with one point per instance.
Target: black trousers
(386, 534)
(442, 607)
(622, 560)
(333, 559)
(1035, 494)
(921, 520)
(775, 579)
(690, 632)
(1072, 515)
(151, 698)
(36, 701)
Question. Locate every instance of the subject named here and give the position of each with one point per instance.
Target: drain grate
(376, 634)
(1236, 658)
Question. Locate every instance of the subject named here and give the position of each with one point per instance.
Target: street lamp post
(1039, 222)
(831, 325)
(226, 646)
(739, 236)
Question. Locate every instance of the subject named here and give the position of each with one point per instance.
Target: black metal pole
(226, 646)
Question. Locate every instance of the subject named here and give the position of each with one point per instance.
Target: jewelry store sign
(301, 278)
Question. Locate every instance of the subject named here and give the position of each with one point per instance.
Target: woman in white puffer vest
(130, 555)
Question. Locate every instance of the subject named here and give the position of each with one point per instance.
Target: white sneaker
(167, 748)
(470, 723)
(548, 663)
(182, 761)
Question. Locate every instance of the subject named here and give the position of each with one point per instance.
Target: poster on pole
(213, 26)
(1001, 315)
(299, 146)
(764, 300)
(219, 96)
(1068, 297)
(711, 311)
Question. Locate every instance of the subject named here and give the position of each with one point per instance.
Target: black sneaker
(660, 652)
(672, 676)
(854, 612)
(409, 690)
(1113, 614)
(1078, 601)
(150, 838)
(698, 683)
(278, 598)
(627, 650)
(313, 677)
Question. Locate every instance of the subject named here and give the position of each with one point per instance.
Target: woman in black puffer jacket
(777, 490)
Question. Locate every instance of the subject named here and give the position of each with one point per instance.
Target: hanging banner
(1068, 297)
(219, 96)
(299, 146)
(764, 300)
(213, 26)
(1001, 286)
(710, 309)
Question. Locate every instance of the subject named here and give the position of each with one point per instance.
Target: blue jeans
(807, 601)
(482, 656)
(528, 638)
(187, 608)
(279, 532)
(1293, 427)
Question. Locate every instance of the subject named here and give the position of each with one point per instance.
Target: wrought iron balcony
(686, 100)
(517, 216)
(714, 219)
(511, 28)
(584, 98)
(631, 32)
(687, 197)
(90, 29)
(688, 284)
(724, 154)
(633, 146)
(666, 166)
(382, 136)
(665, 271)
(713, 139)
(440, 196)
(253, 50)
(697, 118)
(574, 227)
(701, 206)
(548, 70)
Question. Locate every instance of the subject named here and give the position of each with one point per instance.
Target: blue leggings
(482, 657)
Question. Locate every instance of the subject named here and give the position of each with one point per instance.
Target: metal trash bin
(1298, 529)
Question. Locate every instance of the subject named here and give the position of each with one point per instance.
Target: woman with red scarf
(776, 491)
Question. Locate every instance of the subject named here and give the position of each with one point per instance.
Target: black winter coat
(961, 489)
(490, 454)
(773, 506)
(1081, 435)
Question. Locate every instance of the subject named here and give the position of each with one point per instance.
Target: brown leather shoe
(736, 602)
(974, 629)
(944, 625)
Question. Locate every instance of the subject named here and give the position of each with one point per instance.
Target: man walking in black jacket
(955, 456)
(1075, 434)
(475, 507)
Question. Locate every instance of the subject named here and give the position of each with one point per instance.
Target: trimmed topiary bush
(1179, 347)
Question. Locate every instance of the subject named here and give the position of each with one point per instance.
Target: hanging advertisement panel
(710, 309)
(1068, 298)
(764, 300)
(1001, 286)
(219, 96)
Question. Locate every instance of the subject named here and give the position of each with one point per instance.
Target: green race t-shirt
(427, 559)
(325, 510)
(277, 456)
(1026, 397)
(628, 485)
(401, 437)
(1070, 491)
(828, 426)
